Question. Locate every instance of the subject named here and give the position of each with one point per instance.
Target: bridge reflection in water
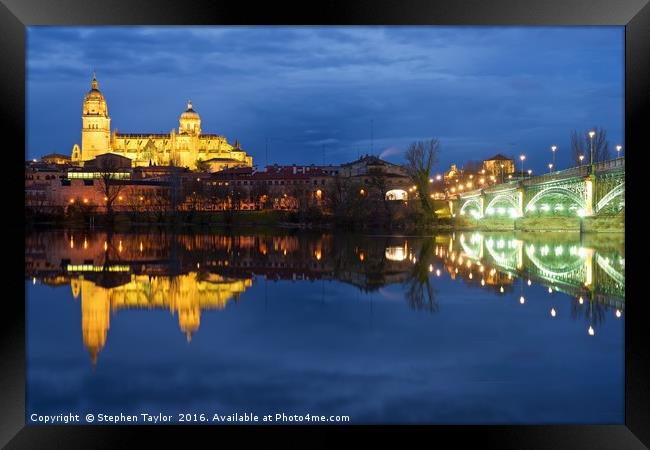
(189, 273)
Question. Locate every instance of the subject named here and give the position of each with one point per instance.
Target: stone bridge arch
(477, 202)
(563, 191)
(616, 192)
(511, 198)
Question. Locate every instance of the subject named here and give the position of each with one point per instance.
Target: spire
(189, 105)
(94, 83)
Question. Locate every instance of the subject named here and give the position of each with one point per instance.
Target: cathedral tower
(96, 124)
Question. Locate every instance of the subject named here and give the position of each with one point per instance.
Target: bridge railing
(580, 171)
(618, 163)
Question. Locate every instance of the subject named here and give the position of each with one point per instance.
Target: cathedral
(187, 147)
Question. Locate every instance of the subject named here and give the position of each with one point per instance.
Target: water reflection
(188, 273)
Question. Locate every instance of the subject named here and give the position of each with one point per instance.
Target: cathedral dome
(94, 102)
(94, 93)
(189, 113)
(189, 122)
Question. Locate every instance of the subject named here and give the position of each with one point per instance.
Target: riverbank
(604, 224)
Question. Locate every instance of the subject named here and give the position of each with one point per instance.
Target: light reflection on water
(455, 328)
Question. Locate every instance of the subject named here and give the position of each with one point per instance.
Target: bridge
(590, 190)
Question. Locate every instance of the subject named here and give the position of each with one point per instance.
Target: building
(277, 187)
(56, 158)
(187, 147)
(372, 173)
(499, 166)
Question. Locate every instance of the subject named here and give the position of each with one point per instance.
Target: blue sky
(316, 90)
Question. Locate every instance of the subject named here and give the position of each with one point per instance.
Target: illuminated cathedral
(187, 147)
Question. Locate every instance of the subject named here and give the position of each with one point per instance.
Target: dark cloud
(477, 88)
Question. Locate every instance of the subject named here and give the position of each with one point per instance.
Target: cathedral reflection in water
(189, 273)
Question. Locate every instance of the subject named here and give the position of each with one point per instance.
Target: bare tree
(109, 184)
(581, 145)
(420, 158)
(473, 166)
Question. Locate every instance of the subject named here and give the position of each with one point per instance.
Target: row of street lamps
(581, 157)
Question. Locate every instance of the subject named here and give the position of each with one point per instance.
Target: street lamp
(591, 146)
(550, 167)
(553, 148)
(502, 173)
(530, 173)
(581, 157)
(618, 150)
(522, 157)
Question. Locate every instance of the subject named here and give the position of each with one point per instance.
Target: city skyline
(330, 94)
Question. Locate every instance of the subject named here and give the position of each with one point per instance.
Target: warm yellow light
(362, 192)
(317, 254)
(105, 199)
(141, 198)
(362, 256)
(482, 282)
(120, 197)
(72, 200)
(85, 200)
(501, 289)
(430, 267)
(105, 245)
(482, 180)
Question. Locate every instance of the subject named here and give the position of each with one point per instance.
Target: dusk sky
(316, 90)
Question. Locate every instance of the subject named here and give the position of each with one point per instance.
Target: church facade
(186, 147)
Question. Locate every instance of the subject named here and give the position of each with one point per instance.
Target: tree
(473, 166)
(109, 184)
(581, 145)
(259, 193)
(420, 158)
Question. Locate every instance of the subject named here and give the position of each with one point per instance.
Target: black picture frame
(16, 15)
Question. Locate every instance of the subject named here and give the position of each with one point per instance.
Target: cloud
(486, 86)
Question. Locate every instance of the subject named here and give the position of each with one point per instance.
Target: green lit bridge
(596, 190)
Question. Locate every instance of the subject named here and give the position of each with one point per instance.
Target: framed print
(345, 217)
